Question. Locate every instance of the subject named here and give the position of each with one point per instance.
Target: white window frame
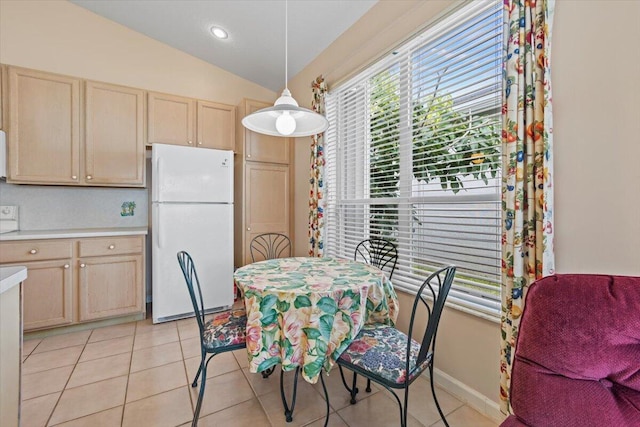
(342, 141)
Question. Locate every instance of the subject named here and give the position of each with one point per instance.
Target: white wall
(596, 88)
(595, 69)
(60, 37)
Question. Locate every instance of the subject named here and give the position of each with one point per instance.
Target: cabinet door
(171, 119)
(44, 133)
(47, 294)
(110, 286)
(264, 148)
(266, 201)
(216, 125)
(114, 144)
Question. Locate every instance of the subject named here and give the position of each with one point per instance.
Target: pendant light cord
(286, 43)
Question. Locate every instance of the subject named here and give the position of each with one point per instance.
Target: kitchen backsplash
(53, 207)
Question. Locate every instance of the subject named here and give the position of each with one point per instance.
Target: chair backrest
(269, 246)
(193, 284)
(442, 280)
(378, 252)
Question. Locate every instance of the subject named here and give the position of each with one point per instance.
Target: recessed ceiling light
(219, 32)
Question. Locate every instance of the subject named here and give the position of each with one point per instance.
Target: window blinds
(413, 156)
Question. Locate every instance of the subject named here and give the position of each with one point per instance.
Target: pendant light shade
(286, 118)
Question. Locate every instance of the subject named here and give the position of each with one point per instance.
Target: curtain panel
(527, 168)
(316, 175)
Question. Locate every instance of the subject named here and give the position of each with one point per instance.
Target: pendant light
(286, 118)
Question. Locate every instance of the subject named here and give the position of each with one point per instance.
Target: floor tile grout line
(186, 373)
(68, 379)
(126, 389)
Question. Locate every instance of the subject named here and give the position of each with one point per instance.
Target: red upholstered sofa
(577, 360)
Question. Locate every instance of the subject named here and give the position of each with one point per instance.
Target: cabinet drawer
(34, 250)
(111, 246)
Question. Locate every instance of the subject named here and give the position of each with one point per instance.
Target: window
(413, 155)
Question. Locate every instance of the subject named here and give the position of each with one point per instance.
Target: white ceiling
(256, 43)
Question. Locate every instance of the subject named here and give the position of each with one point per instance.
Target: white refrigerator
(191, 210)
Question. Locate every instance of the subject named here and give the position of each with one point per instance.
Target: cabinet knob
(82, 265)
(112, 246)
(248, 228)
(33, 251)
(74, 177)
(89, 177)
(189, 142)
(66, 266)
(199, 142)
(248, 156)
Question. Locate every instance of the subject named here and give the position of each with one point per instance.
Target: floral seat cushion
(225, 329)
(381, 350)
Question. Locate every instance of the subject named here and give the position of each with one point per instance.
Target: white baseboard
(471, 397)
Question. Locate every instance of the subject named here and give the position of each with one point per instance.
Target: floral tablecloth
(306, 311)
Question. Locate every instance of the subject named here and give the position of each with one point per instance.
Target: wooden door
(264, 148)
(44, 133)
(110, 286)
(216, 125)
(114, 135)
(171, 119)
(266, 202)
(47, 294)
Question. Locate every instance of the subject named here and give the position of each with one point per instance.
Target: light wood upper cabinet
(53, 138)
(44, 133)
(185, 121)
(258, 147)
(216, 125)
(171, 119)
(114, 135)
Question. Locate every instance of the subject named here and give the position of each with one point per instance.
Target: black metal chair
(395, 361)
(269, 246)
(225, 331)
(383, 254)
(378, 252)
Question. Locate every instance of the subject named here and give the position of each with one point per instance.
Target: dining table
(303, 312)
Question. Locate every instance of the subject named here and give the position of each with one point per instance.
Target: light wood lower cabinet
(78, 280)
(48, 294)
(109, 286)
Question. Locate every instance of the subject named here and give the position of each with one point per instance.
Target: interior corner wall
(60, 37)
(596, 149)
(596, 89)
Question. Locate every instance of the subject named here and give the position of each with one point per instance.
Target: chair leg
(196, 413)
(354, 389)
(435, 399)
(195, 380)
(344, 382)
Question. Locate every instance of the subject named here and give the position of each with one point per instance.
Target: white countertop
(72, 233)
(11, 276)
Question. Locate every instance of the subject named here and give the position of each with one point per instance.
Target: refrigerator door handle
(158, 177)
(159, 230)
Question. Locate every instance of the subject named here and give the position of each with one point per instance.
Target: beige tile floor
(138, 374)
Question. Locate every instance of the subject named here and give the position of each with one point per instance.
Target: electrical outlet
(8, 213)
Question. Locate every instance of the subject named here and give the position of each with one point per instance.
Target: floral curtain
(316, 175)
(527, 178)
